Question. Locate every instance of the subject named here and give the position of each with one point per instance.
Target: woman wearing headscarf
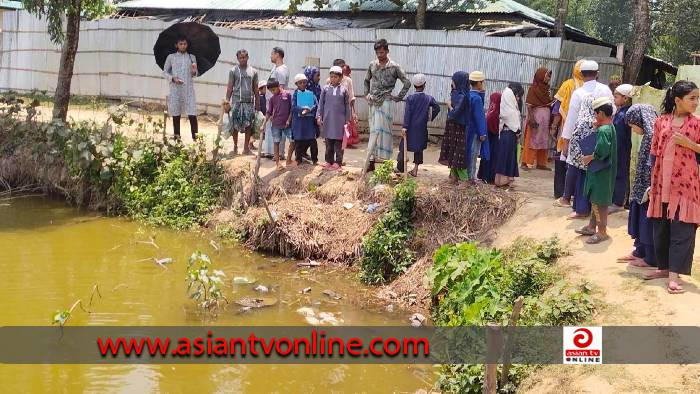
(506, 165)
(486, 167)
(453, 152)
(538, 102)
(560, 167)
(641, 119)
(584, 127)
(313, 75)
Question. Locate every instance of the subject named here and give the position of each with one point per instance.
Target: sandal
(674, 287)
(560, 204)
(640, 264)
(597, 238)
(413, 173)
(655, 275)
(628, 258)
(585, 230)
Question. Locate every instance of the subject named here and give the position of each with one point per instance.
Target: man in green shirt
(380, 81)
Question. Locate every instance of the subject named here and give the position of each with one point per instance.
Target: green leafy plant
(203, 283)
(61, 316)
(476, 286)
(384, 249)
(383, 172)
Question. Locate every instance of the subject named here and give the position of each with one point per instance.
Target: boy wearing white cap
(333, 115)
(591, 87)
(623, 100)
(415, 124)
(304, 106)
(476, 128)
(600, 173)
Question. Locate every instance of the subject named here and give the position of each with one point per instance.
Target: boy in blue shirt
(476, 127)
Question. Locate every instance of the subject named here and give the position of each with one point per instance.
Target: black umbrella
(203, 43)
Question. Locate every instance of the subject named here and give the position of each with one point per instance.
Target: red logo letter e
(584, 338)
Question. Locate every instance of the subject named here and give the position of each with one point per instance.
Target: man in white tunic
(592, 87)
(180, 69)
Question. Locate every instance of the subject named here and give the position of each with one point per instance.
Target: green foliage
(384, 252)
(382, 173)
(157, 182)
(203, 284)
(172, 186)
(54, 12)
(475, 286)
(384, 249)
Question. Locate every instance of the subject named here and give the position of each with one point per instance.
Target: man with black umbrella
(180, 69)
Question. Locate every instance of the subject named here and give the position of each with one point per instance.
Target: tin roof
(10, 5)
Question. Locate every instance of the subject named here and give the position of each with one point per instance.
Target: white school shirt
(594, 88)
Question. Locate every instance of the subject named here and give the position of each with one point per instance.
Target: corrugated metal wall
(115, 58)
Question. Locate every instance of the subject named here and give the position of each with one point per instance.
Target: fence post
(517, 307)
(493, 347)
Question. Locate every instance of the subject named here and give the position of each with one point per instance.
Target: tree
(55, 11)
(675, 33)
(421, 8)
(560, 18)
(637, 46)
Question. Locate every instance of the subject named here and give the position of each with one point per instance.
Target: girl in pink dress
(674, 196)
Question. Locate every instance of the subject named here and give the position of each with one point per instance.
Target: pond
(53, 255)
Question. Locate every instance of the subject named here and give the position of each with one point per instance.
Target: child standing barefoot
(600, 180)
(333, 115)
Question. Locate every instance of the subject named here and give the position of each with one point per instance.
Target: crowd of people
(608, 155)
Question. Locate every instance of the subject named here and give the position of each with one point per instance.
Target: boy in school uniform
(304, 106)
(279, 114)
(333, 115)
(600, 172)
(415, 124)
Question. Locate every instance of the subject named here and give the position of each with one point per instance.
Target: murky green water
(51, 255)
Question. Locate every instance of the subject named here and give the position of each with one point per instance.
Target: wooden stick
(256, 178)
(491, 371)
(165, 120)
(405, 158)
(517, 307)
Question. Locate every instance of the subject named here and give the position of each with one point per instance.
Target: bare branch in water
(151, 242)
(94, 289)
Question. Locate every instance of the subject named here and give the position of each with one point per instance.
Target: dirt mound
(448, 215)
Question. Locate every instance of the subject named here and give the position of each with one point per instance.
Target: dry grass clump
(307, 228)
(458, 214)
(448, 215)
(21, 173)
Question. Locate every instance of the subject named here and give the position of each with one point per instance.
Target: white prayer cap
(336, 70)
(418, 80)
(477, 76)
(601, 101)
(625, 89)
(262, 84)
(300, 77)
(589, 65)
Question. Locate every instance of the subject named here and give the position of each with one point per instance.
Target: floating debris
(242, 280)
(322, 318)
(261, 289)
(244, 309)
(306, 290)
(257, 302)
(310, 263)
(416, 320)
(332, 294)
(213, 244)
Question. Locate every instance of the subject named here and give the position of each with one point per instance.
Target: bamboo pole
(517, 307)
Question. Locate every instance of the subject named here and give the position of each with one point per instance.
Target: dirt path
(629, 300)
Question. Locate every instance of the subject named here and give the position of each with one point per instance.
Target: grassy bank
(95, 165)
